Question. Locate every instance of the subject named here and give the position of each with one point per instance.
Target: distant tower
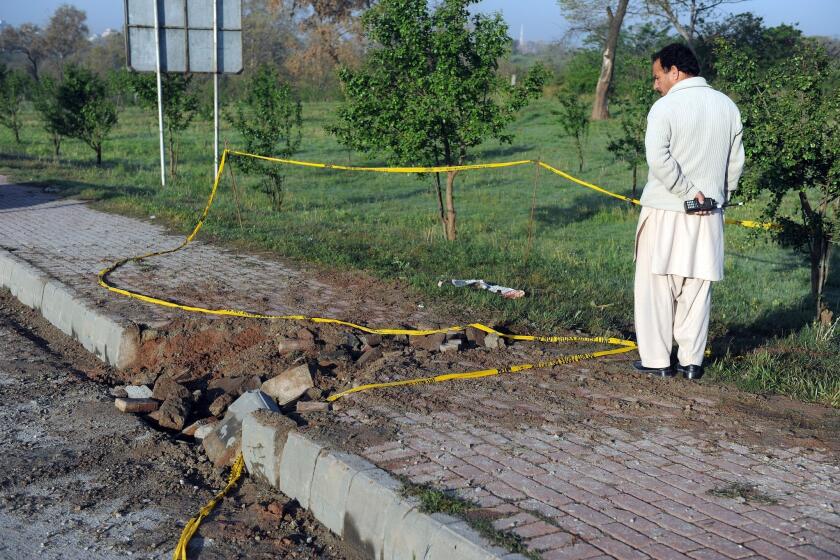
(522, 38)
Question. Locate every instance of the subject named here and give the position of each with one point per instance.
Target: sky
(542, 19)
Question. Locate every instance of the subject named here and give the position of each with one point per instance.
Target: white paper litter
(507, 293)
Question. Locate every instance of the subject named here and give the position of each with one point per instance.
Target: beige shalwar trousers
(671, 307)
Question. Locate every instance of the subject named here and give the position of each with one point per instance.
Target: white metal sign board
(186, 34)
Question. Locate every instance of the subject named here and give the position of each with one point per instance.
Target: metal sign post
(197, 36)
(215, 89)
(159, 96)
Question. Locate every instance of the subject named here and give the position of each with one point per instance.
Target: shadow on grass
(517, 150)
(555, 215)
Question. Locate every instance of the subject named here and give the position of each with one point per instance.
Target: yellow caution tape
(439, 169)
(623, 345)
(192, 525)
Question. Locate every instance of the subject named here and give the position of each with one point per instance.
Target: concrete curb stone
(334, 472)
(112, 342)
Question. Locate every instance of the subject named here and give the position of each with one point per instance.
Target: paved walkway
(579, 462)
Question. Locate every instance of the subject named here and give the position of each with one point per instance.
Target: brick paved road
(581, 471)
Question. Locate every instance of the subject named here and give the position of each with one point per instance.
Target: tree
(328, 36)
(85, 110)
(28, 40)
(686, 16)
(46, 103)
(180, 105)
(14, 86)
(429, 91)
(270, 35)
(269, 119)
(573, 120)
(582, 12)
(746, 32)
(792, 140)
(635, 105)
(66, 33)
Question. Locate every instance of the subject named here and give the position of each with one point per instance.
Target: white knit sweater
(693, 143)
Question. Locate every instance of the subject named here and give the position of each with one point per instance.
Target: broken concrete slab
(222, 444)
(251, 401)
(289, 385)
(138, 406)
(264, 435)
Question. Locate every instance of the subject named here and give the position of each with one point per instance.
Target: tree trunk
(635, 173)
(17, 135)
(819, 246)
(56, 139)
(98, 149)
(820, 258)
(600, 110)
(440, 202)
(451, 232)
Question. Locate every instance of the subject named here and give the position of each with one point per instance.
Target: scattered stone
(136, 405)
(192, 428)
(289, 385)
(352, 341)
(314, 393)
(305, 334)
(333, 358)
(167, 388)
(372, 340)
(223, 442)
(429, 342)
(369, 357)
(494, 342)
(453, 345)
(148, 334)
(303, 407)
(196, 395)
(236, 385)
(220, 404)
(118, 392)
(289, 345)
(454, 336)
(144, 377)
(173, 413)
(476, 336)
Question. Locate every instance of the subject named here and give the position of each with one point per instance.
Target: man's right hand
(700, 198)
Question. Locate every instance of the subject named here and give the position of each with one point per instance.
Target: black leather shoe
(690, 372)
(661, 372)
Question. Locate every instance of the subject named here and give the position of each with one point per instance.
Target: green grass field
(578, 272)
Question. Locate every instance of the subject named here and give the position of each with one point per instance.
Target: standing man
(694, 151)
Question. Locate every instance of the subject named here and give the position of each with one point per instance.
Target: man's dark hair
(679, 55)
